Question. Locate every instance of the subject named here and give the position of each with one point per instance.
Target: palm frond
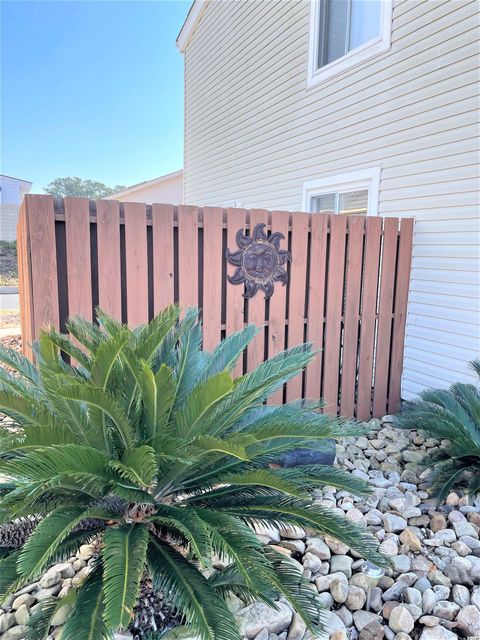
(190, 592)
(123, 560)
(86, 622)
(228, 351)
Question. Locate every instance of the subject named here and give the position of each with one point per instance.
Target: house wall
(12, 191)
(254, 133)
(167, 191)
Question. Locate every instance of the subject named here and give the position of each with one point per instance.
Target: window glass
(346, 202)
(324, 203)
(364, 23)
(336, 27)
(353, 203)
(345, 25)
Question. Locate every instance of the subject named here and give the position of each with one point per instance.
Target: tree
(145, 442)
(61, 187)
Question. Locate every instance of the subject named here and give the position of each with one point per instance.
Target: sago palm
(144, 442)
(452, 414)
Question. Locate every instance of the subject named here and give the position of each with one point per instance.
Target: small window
(349, 203)
(346, 32)
(351, 194)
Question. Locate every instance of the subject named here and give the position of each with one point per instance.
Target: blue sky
(92, 89)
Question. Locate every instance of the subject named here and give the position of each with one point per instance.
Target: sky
(91, 89)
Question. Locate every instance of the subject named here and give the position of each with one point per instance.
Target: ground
(8, 264)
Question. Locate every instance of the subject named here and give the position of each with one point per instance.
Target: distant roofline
(139, 185)
(191, 21)
(4, 175)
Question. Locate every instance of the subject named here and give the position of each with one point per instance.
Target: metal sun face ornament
(259, 261)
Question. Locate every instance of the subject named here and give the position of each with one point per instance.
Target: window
(345, 202)
(354, 193)
(346, 32)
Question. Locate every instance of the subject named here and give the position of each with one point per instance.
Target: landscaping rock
(393, 523)
(255, 617)
(372, 631)
(363, 618)
(339, 587)
(401, 619)
(15, 633)
(356, 598)
(437, 633)
(341, 564)
(468, 620)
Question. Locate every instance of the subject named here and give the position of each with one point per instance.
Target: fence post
(39, 287)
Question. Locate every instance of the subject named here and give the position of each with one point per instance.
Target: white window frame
(351, 181)
(370, 49)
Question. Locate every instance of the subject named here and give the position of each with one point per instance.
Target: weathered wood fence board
(347, 290)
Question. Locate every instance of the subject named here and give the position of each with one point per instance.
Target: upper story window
(344, 33)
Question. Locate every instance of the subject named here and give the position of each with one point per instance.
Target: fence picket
(163, 261)
(235, 319)
(385, 310)
(373, 232)
(188, 256)
(136, 263)
(108, 258)
(43, 261)
(353, 277)
(316, 301)
(256, 305)
(298, 279)
(212, 276)
(333, 326)
(400, 312)
(77, 231)
(278, 302)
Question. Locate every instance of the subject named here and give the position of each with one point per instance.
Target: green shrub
(147, 445)
(452, 414)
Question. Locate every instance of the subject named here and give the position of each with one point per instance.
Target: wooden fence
(347, 289)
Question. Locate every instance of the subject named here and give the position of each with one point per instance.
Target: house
(12, 191)
(356, 107)
(167, 188)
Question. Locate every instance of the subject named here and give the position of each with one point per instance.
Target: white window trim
(352, 181)
(362, 53)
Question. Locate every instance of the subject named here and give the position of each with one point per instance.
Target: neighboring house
(357, 107)
(165, 189)
(12, 191)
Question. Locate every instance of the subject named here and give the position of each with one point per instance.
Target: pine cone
(13, 535)
(152, 613)
(112, 503)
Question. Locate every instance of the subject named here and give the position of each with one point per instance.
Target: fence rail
(347, 289)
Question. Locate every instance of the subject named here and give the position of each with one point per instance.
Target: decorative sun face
(259, 261)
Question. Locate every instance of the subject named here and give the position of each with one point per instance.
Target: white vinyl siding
(254, 133)
(12, 191)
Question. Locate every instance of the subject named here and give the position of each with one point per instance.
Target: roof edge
(140, 185)
(4, 175)
(194, 15)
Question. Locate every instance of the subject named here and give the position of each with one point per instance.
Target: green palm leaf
(123, 558)
(12, 358)
(190, 592)
(48, 535)
(200, 401)
(42, 463)
(227, 353)
(99, 399)
(86, 622)
(8, 572)
(138, 466)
